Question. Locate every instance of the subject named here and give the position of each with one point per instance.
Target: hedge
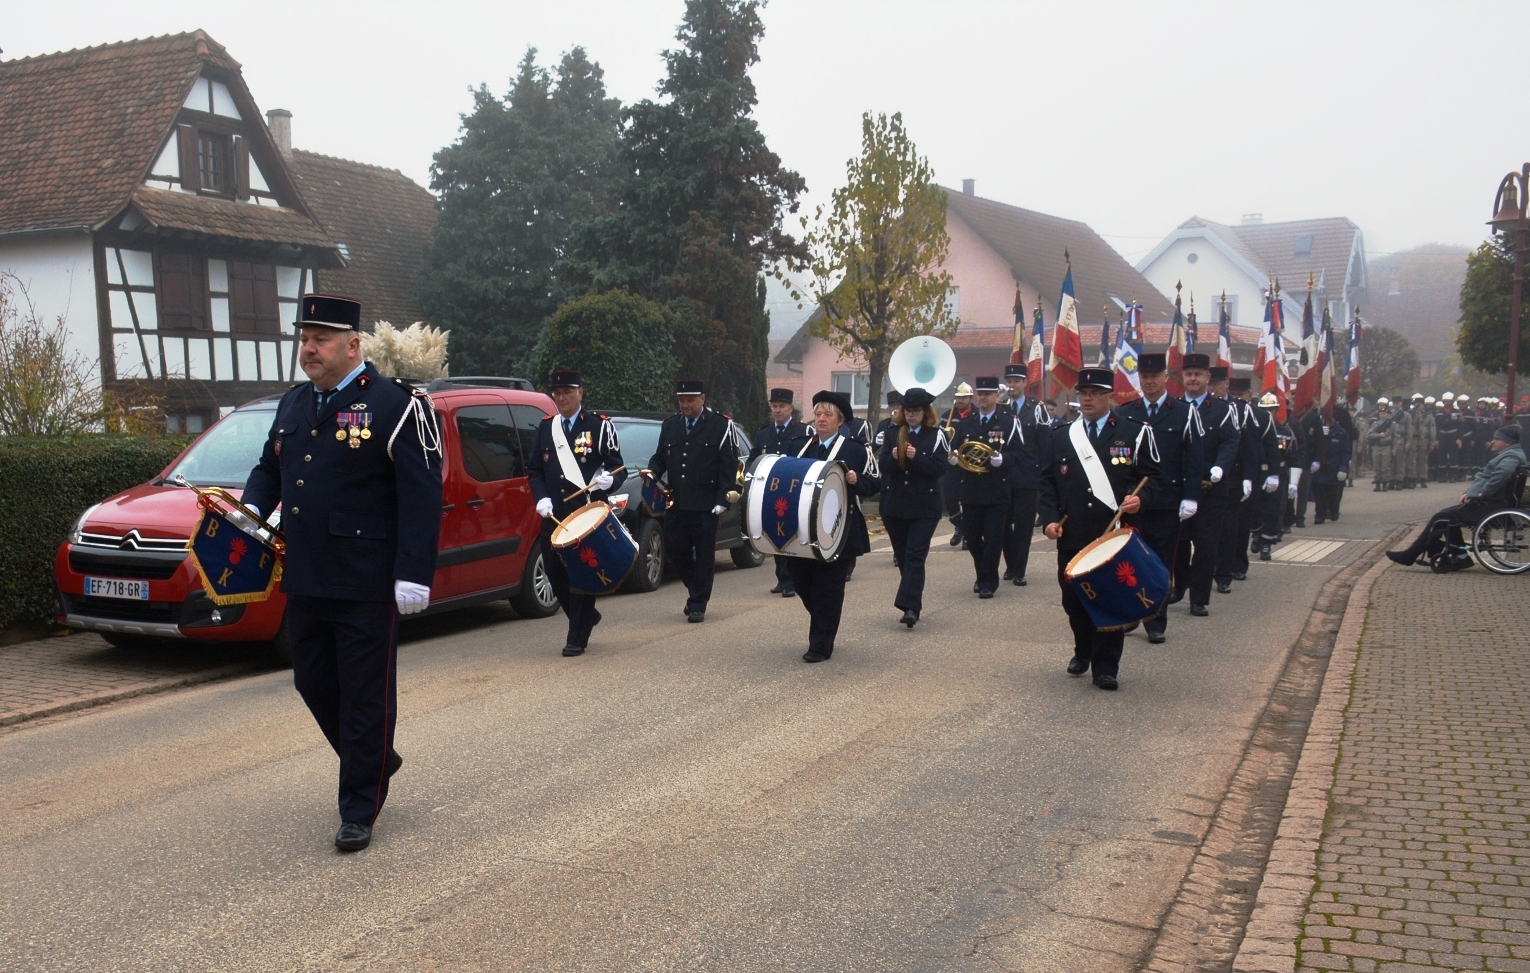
(45, 484)
(620, 342)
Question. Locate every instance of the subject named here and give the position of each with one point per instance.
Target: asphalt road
(683, 797)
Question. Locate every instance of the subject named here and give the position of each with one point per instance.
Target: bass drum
(796, 507)
(1119, 580)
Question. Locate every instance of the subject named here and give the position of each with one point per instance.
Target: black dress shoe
(695, 616)
(353, 836)
(1239, 576)
(1224, 587)
(1199, 611)
(572, 649)
(976, 588)
(1405, 558)
(1318, 521)
(1264, 552)
(956, 539)
(1009, 575)
(814, 657)
(777, 589)
(1300, 523)
(1077, 666)
(394, 763)
(1175, 597)
(1157, 638)
(1020, 582)
(788, 592)
(986, 593)
(1106, 682)
(909, 618)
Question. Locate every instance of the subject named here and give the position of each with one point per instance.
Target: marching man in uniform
(1094, 466)
(782, 434)
(354, 460)
(985, 494)
(1025, 475)
(696, 452)
(576, 452)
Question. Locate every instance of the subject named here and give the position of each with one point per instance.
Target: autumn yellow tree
(876, 253)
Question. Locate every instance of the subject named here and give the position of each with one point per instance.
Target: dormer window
(212, 152)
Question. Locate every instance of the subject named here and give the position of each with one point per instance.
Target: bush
(621, 343)
(46, 484)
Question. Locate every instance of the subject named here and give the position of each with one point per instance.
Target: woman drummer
(912, 461)
(821, 584)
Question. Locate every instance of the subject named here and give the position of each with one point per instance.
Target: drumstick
(587, 488)
(1119, 512)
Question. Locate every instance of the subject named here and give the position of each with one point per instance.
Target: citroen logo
(129, 541)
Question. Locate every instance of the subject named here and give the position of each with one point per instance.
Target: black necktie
(1152, 411)
(1094, 431)
(689, 425)
(568, 426)
(324, 398)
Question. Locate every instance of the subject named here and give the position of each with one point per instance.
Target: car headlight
(79, 525)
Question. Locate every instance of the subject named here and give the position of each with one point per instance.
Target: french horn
(973, 456)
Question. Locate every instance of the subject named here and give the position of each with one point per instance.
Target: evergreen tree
(523, 172)
(700, 212)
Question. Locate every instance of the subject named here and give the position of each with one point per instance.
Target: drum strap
(1099, 480)
(571, 471)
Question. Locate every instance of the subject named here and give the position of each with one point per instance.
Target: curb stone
(126, 692)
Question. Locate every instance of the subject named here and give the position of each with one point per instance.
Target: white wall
(59, 275)
(1206, 278)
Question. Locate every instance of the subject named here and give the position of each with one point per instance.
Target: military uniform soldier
(782, 434)
(576, 453)
(1405, 449)
(1423, 418)
(354, 460)
(1223, 441)
(697, 455)
(1025, 475)
(1380, 436)
(986, 494)
(1448, 426)
(1079, 499)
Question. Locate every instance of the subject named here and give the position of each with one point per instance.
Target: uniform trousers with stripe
(345, 666)
(580, 609)
(690, 543)
(983, 525)
(1019, 530)
(1160, 528)
(1197, 560)
(1102, 650)
(1233, 557)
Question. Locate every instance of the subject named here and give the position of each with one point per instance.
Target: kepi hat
(329, 311)
(1095, 378)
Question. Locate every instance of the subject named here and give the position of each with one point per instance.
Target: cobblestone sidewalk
(55, 675)
(1423, 861)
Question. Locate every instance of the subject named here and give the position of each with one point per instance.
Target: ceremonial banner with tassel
(1308, 367)
(1035, 370)
(1017, 346)
(1352, 372)
(1178, 342)
(1328, 378)
(1128, 384)
(1224, 337)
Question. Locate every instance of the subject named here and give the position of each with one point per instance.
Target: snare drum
(1120, 580)
(596, 550)
(796, 507)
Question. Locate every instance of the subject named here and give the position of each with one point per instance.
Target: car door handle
(447, 508)
(477, 502)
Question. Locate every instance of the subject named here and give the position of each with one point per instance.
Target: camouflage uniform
(1380, 436)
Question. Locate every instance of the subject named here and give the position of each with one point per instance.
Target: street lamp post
(1509, 219)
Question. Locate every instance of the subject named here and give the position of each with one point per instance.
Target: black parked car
(639, 436)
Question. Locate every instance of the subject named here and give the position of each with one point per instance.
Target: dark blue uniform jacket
(911, 489)
(1065, 489)
(594, 445)
(1179, 451)
(701, 465)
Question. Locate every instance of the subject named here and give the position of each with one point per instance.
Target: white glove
(1291, 491)
(1271, 484)
(544, 507)
(996, 460)
(1216, 474)
(1248, 488)
(951, 457)
(244, 523)
(1315, 465)
(1187, 509)
(717, 510)
(603, 480)
(1343, 476)
(410, 597)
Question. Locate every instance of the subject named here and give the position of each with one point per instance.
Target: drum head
(579, 524)
(1099, 553)
(754, 494)
(830, 515)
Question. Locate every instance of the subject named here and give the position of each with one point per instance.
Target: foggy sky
(1129, 116)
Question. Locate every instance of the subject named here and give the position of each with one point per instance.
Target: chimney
(1253, 219)
(969, 187)
(279, 121)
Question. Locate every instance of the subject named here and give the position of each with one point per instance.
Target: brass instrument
(973, 456)
(738, 484)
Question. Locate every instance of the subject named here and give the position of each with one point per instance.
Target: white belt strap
(571, 471)
(1099, 480)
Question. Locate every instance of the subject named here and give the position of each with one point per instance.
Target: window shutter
(241, 168)
(191, 169)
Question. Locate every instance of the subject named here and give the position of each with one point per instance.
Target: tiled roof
(81, 128)
(1272, 248)
(383, 219)
(229, 220)
(1032, 244)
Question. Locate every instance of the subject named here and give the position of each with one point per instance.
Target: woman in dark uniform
(821, 584)
(912, 461)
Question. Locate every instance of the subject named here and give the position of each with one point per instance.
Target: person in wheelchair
(1491, 490)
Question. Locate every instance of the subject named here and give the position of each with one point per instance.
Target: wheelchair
(1500, 542)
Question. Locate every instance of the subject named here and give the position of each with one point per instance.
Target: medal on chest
(582, 444)
(353, 426)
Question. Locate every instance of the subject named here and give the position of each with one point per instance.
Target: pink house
(996, 248)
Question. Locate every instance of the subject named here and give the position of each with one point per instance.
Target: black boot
(1264, 551)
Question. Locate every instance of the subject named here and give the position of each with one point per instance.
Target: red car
(124, 571)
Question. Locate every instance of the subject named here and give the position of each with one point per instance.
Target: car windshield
(639, 440)
(228, 451)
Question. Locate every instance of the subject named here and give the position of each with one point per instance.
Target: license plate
(115, 588)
